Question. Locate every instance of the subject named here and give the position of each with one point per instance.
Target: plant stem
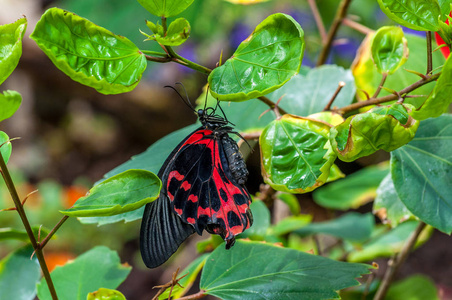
(373, 101)
(198, 295)
(397, 261)
(51, 233)
(340, 16)
(382, 82)
(339, 88)
(183, 61)
(429, 52)
(271, 104)
(318, 20)
(20, 209)
(358, 27)
(149, 52)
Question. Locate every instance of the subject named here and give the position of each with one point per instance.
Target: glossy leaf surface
(309, 93)
(439, 100)
(88, 53)
(9, 103)
(383, 127)
(6, 147)
(295, 154)
(165, 8)
(422, 172)
(266, 60)
(11, 36)
(352, 226)
(354, 190)
(19, 275)
(119, 194)
(280, 271)
(387, 204)
(415, 14)
(97, 268)
(106, 294)
(389, 49)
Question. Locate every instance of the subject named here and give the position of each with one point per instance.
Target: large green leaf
(19, 273)
(389, 49)
(422, 172)
(98, 268)
(387, 204)
(266, 60)
(353, 191)
(309, 93)
(5, 146)
(11, 46)
(368, 79)
(89, 54)
(119, 194)
(150, 160)
(382, 127)
(439, 100)
(295, 154)
(414, 14)
(9, 103)
(445, 8)
(253, 270)
(165, 8)
(261, 221)
(352, 226)
(416, 287)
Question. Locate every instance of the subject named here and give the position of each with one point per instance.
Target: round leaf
(11, 46)
(106, 294)
(88, 53)
(97, 268)
(383, 127)
(389, 49)
(254, 270)
(9, 102)
(266, 60)
(119, 194)
(295, 154)
(6, 146)
(422, 172)
(414, 14)
(165, 8)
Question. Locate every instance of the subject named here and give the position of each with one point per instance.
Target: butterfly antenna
(224, 115)
(185, 100)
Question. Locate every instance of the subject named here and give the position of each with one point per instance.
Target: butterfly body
(203, 189)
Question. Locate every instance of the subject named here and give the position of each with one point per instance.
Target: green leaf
(97, 268)
(416, 287)
(445, 8)
(253, 270)
(368, 79)
(9, 102)
(383, 127)
(414, 14)
(12, 233)
(266, 60)
(352, 226)
(439, 100)
(19, 273)
(165, 8)
(178, 32)
(335, 173)
(106, 294)
(119, 194)
(151, 160)
(353, 191)
(261, 221)
(291, 201)
(387, 204)
(5, 146)
(422, 172)
(11, 36)
(307, 94)
(290, 224)
(389, 243)
(295, 154)
(192, 270)
(88, 53)
(389, 49)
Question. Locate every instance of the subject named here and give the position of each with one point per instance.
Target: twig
(174, 281)
(20, 209)
(52, 232)
(339, 88)
(340, 15)
(397, 261)
(271, 104)
(318, 20)
(198, 295)
(382, 82)
(373, 101)
(356, 26)
(429, 52)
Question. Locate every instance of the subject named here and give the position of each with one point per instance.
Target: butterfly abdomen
(235, 159)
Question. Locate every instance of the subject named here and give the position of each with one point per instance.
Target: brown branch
(52, 232)
(429, 52)
(340, 16)
(397, 261)
(382, 82)
(356, 26)
(198, 295)
(318, 20)
(271, 104)
(402, 92)
(339, 88)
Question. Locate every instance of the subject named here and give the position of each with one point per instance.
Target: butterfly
(202, 189)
